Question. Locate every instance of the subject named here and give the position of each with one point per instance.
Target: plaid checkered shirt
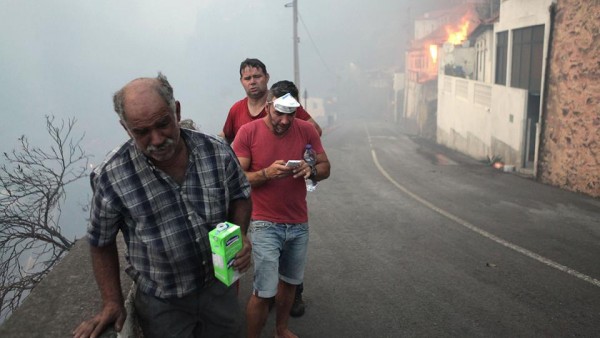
(166, 225)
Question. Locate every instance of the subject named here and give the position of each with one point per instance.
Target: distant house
(494, 109)
(523, 86)
(432, 30)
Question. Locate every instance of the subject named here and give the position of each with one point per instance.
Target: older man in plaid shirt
(165, 189)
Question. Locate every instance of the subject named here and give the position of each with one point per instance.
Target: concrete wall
(64, 298)
(508, 120)
(481, 120)
(515, 14)
(570, 150)
(421, 107)
(462, 125)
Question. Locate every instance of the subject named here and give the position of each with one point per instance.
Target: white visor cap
(286, 104)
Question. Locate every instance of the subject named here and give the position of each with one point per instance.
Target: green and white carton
(225, 243)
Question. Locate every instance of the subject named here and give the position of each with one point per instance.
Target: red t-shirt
(278, 200)
(239, 114)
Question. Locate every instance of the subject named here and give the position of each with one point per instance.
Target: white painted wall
(515, 14)
(465, 124)
(468, 124)
(468, 120)
(508, 101)
(411, 103)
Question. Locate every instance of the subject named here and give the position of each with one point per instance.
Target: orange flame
(434, 52)
(456, 37)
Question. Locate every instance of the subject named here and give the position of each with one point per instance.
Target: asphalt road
(409, 239)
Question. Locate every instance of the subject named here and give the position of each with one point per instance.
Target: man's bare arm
(257, 178)
(240, 211)
(222, 135)
(323, 167)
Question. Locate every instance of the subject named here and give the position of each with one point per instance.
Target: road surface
(411, 239)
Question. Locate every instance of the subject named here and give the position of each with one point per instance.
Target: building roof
(455, 17)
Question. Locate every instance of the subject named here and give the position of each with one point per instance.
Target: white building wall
(481, 120)
(515, 14)
(462, 124)
(508, 115)
(411, 103)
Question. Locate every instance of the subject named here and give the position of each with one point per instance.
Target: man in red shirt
(254, 78)
(279, 228)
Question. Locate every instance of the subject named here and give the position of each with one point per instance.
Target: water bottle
(310, 157)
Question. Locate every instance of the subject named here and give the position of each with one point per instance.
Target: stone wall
(570, 143)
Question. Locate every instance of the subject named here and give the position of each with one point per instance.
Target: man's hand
(278, 169)
(111, 313)
(242, 258)
(105, 261)
(303, 170)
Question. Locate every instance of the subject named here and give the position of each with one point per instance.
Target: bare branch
(32, 189)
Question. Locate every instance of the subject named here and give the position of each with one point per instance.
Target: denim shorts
(279, 252)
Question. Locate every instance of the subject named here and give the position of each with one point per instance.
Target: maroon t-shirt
(239, 114)
(278, 200)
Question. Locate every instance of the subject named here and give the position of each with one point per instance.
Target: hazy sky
(67, 58)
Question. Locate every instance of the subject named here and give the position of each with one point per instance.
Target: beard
(256, 94)
(163, 151)
(278, 128)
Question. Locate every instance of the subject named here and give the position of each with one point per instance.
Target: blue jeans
(279, 252)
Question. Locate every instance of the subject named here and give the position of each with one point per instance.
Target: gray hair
(162, 87)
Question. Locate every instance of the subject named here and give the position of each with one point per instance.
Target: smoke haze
(67, 58)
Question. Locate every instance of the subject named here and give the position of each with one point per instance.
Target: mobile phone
(293, 163)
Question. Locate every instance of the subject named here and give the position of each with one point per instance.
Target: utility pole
(305, 98)
(294, 4)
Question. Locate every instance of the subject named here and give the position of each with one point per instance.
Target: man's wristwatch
(313, 172)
